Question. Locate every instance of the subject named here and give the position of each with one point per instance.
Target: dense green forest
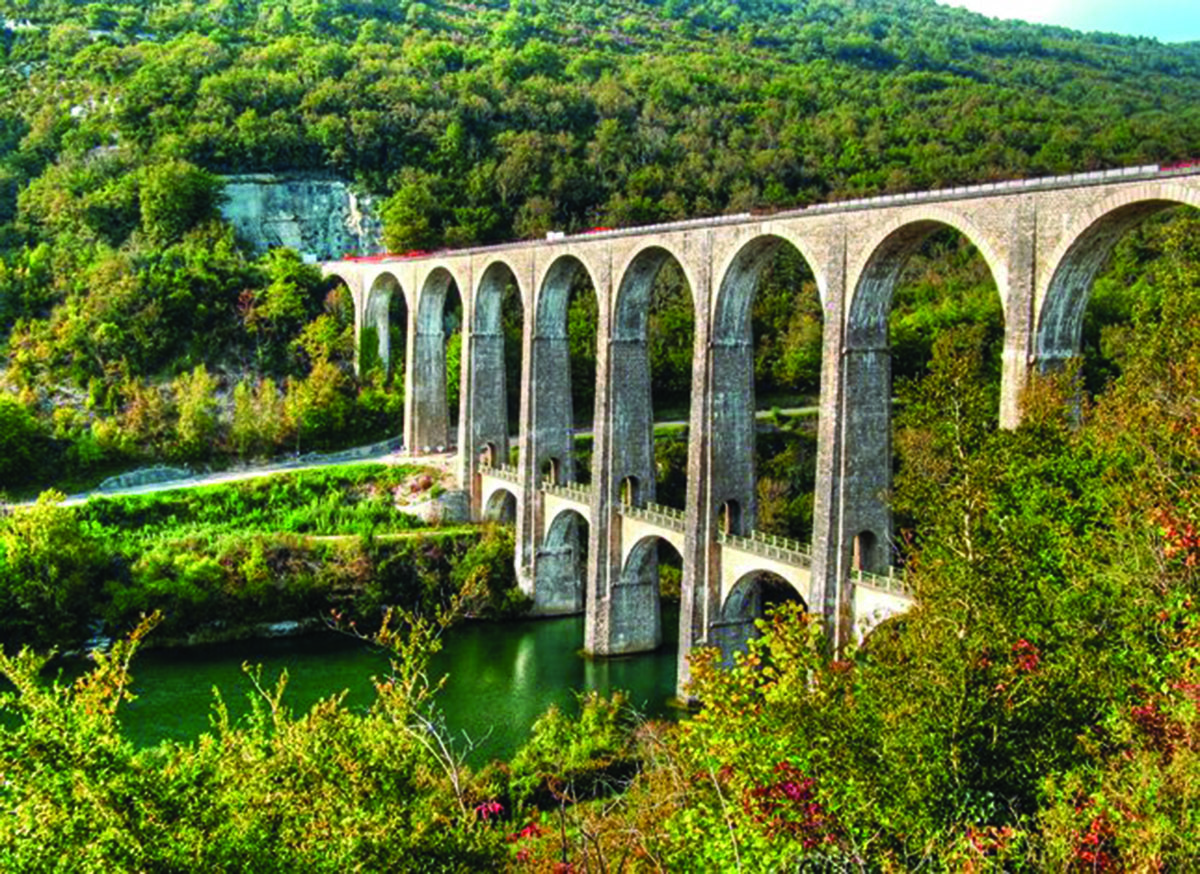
(136, 327)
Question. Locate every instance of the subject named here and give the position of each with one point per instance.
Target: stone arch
(554, 292)
(1080, 256)
(889, 251)
(489, 295)
(551, 471)
(865, 544)
(489, 454)
(552, 433)
(428, 397)
(749, 590)
(746, 603)
(501, 506)
(732, 422)
(632, 302)
(866, 407)
(432, 299)
(874, 630)
(729, 517)
(333, 276)
(631, 412)
(561, 574)
(499, 264)
(740, 273)
(385, 288)
(487, 389)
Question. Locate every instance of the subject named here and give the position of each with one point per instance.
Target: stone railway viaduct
(1044, 240)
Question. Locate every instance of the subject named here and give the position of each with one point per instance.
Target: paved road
(443, 461)
(229, 476)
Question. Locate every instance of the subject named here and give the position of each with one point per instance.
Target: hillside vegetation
(1038, 709)
(138, 328)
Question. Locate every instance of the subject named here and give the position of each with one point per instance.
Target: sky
(1168, 20)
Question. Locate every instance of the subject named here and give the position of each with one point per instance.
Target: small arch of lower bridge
(555, 504)
(499, 502)
(876, 604)
(739, 564)
(744, 604)
(639, 534)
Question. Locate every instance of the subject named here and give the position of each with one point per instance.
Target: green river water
(500, 678)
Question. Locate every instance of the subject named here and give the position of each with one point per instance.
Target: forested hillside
(127, 305)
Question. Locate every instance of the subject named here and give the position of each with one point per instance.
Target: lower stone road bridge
(1044, 241)
(633, 620)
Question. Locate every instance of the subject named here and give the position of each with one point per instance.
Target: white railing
(506, 472)
(656, 514)
(769, 546)
(570, 491)
(892, 581)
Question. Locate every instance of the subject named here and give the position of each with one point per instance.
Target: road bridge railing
(570, 491)
(770, 546)
(656, 514)
(506, 472)
(893, 581)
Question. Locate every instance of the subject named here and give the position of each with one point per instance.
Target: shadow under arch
(732, 362)
(748, 601)
(636, 600)
(631, 423)
(560, 578)
(429, 401)
(501, 507)
(487, 400)
(1074, 270)
(553, 414)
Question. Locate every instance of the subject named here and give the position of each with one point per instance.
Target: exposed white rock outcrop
(321, 218)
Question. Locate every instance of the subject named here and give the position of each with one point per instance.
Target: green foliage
(196, 429)
(327, 790)
(571, 757)
(53, 567)
(320, 406)
(557, 118)
(175, 197)
(283, 547)
(487, 574)
(22, 443)
(1036, 708)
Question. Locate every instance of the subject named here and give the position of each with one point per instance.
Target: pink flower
(488, 809)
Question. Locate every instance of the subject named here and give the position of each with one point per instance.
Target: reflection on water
(500, 679)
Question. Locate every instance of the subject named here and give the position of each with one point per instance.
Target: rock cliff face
(321, 218)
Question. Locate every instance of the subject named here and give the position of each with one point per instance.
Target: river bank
(219, 560)
(499, 678)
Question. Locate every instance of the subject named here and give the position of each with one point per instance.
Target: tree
(23, 443)
(412, 216)
(196, 403)
(174, 197)
(51, 572)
